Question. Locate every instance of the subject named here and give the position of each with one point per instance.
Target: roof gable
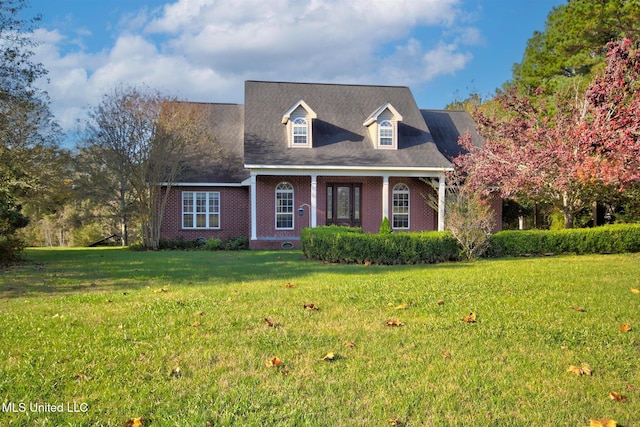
(287, 114)
(373, 117)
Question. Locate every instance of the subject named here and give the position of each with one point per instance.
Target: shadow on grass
(85, 271)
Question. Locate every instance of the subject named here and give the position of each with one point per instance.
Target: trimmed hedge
(617, 238)
(351, 245)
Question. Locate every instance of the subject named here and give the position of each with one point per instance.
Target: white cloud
(203, 50)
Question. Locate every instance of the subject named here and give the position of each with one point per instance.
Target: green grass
(108, 328)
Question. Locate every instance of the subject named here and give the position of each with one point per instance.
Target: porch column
(314, 200)
(254, 204)
(385, 197)
(442, 188)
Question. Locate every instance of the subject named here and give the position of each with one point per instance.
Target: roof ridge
(328, 84)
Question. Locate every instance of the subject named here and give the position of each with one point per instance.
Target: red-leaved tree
(589, 145)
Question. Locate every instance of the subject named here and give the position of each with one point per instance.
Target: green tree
(30, 158)
(573, 43)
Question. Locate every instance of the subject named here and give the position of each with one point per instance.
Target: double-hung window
(200, 209)
(284, 206)
(385, 133)
(400, 218)
(300, 131)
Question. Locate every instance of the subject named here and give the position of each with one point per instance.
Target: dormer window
(385, 133)
(383, 127)
(300, 132)
(298, 119)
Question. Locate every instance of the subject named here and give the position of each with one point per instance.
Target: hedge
(351, 245)
(339, 245)
(608, 239)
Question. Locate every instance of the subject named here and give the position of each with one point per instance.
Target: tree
(589, 147)
(29, 149)
(468, 214)
(574, 42)
(144, 139)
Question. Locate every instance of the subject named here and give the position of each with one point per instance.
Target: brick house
(301, 155)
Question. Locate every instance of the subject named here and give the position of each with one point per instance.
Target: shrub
(213, 244)
(10, 250)
(331, 244)
(236, 244)
(385, 227)
(618, 238)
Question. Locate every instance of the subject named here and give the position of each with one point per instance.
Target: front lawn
(185, 339)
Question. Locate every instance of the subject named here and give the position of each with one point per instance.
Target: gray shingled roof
(339, 137)
(447, 125)
(223, 160)
(427, 138)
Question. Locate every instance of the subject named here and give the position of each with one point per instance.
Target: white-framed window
(385, 134)
(300, 132)
(200, 209)
(284, 206)
(400, 214)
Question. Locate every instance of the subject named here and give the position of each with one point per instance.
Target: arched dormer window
(284, 206)
(400, 213)
(383, 127)
(385, 133)
(298, 120)
(300, 131)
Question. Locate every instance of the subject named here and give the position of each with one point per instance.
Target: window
(284, 206)
(200, 209)
(300, 131)
(385, 133)
(400, 206)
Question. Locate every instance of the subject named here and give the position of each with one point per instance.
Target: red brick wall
(421, 216)
(235, 218)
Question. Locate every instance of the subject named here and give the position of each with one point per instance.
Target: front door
(344, 204)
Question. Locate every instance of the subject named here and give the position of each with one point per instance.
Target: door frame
(355, 204)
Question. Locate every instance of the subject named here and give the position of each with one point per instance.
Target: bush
(618, 238)
(236, 244)
(385, 227)
(10, 250)
(351, 245)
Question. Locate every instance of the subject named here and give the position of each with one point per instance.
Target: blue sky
(204, 50)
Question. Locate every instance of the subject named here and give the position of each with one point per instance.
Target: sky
(204, 50)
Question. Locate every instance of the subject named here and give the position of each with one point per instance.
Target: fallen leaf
(635, 291)
(134, 422)
(471, 318)
(83, 376)
(162, 289)
(270, 323)
(617, 397)
(329, 357)
(289, 285)
(311, 307)
(440, 302)
(585, 369)
(625, 328)
(603, 422)
(350, 344)
(393, 322)
(402, 306)
(195, 324)
(176, 372)
(274, 362)
(396, 422)
(580, 309)
(446, 355)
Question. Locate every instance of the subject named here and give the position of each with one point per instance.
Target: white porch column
(385, 197)
(254, 207)
(314, 200)
(442, 189)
